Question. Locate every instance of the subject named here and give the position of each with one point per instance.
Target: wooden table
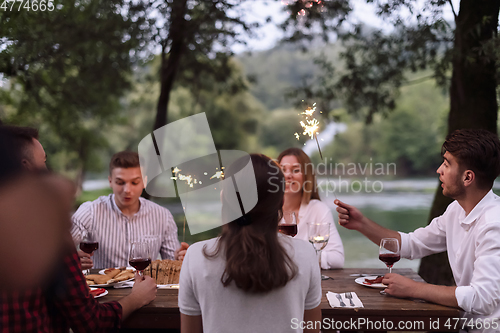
(380, 312)
(378, 308)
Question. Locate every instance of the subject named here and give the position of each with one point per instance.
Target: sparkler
(218, 174)
(311, 127)
(191, 181)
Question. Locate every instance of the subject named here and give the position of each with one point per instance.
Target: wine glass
(88, 244)
(389, 252)
(139, 256)
(319, 234)
(154, 245)
(288, 224)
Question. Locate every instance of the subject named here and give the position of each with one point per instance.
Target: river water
(401, 205)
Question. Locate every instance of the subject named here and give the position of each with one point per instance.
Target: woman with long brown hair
(302, 197)
(250, 278)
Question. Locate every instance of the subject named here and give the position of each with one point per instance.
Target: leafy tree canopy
(376, 62)
(67, 68)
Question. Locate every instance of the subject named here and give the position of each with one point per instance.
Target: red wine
(140, 264)
(89, 247)
(288, 229)
(389, 258)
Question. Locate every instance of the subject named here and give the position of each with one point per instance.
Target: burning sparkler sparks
(310, 111)
(218, 175)
(311, 127)
(191, 181)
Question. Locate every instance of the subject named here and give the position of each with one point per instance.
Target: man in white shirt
(469, 230)
(124, 217)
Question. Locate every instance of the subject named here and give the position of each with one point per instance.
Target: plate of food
(371, 281)
(98, 292)
(110, 277)
(108, 271)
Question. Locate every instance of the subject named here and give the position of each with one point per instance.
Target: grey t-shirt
(229, 309)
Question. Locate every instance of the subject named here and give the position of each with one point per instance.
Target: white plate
(168, 286)
(361, 281)
(127, 268)
(106, 285)
(100, 295)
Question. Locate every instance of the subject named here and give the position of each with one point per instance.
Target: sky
(269, 33)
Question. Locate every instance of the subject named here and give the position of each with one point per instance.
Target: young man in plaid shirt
(64, 302)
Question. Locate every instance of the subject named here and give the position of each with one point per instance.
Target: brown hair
(477, 150)
(22, 140)
(255, 259)
(124, 159)
(310, 188)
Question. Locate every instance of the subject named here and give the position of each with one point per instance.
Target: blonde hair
(310, 188)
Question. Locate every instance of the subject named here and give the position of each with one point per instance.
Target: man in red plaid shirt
(64, 302)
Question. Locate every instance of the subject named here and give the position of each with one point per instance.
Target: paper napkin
(335, 303)
(127, 284)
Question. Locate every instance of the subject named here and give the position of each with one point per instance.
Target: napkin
(335, 303)
(127, 284)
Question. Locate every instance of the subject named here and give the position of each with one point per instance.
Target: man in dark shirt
(64, 301)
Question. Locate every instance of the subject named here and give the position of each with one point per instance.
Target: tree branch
(453, 9)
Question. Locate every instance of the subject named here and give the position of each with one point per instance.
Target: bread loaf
(164, 271)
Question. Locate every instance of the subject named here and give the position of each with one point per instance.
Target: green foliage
(278, 128)
(232, 116)
(275, 71)
(66, 70)
(374, 64)
(411, 136)
(194, 39)
(91, 195)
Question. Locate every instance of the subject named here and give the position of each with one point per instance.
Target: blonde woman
(302, 197)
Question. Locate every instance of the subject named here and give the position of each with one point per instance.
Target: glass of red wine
(88, 244)
(288, 224)
(140, 256)
(389, 252)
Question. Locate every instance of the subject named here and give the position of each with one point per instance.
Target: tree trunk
(436, 268)
(81, 170)
(80, 175)
(170, 64)
(473, 100)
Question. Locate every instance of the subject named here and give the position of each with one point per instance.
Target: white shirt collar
(477, 210)
(116, 208)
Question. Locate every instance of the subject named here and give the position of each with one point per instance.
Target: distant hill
(276, 70)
